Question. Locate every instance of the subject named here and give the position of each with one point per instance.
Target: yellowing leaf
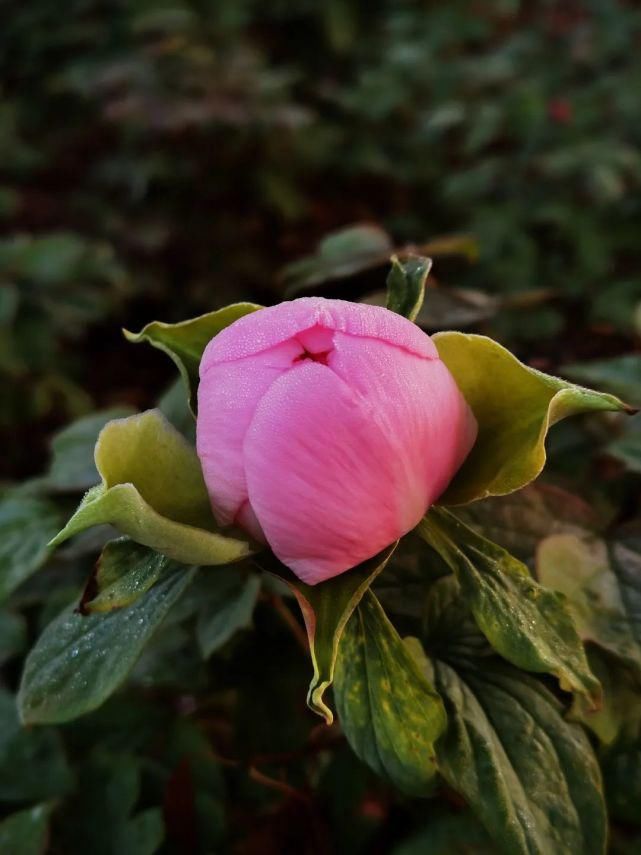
(514, 406)
(326, 609)
(602, 583)
(529, 625)
(153, 491)
(390, 712)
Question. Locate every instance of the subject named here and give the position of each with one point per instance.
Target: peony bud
(326, 429)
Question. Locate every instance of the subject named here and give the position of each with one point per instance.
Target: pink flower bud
(326, 429)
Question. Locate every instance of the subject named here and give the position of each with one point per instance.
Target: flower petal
(417, 403)
(227, 399)
(266, 328)
(331, 480)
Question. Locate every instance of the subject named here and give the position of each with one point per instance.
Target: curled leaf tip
(316, 703)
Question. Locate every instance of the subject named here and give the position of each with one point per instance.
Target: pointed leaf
(528, 624)
(388, 709)
(185, 342)
(153, 490)
(27, 524)
(406, 285)
(26, 832)
(229, 603)
(529, 776)
(603, 585)
(79, 661)
(326, 609)
(340, 254)
(620, 712)
(514, 406)
(621, 375)
(124, 572)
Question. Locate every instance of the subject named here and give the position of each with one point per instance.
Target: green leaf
(153, 491)
(514, 406)
(79, 661)
(620, 375)
(99, 818)
(32, 762)
(361, 247)
(341, 254)
(229, 603)
(406, 285)
(26, 832)
(388, 709)
(72, 465)
(602, 583)
(185, 342)
(456, 308)
(326, 609)
(123, 573)
(27, 524)
(452, 834)
(144, 833)
(527, 624)
(620, 711)
(530, 776)
(448, 308)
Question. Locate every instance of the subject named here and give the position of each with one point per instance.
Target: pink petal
(266, 328)
(417, 404)
(337, 472)
(227, 400)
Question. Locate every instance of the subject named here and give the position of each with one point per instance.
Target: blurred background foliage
(161, 159)
(164, 158)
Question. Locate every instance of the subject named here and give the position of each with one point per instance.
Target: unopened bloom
(326, 429)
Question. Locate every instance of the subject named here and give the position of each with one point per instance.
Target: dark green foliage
(163, 159)
(178, 153)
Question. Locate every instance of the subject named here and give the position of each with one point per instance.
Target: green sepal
(153, 491)
(326, 608)
(515, 406)
(406, 285)
(186, 341)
